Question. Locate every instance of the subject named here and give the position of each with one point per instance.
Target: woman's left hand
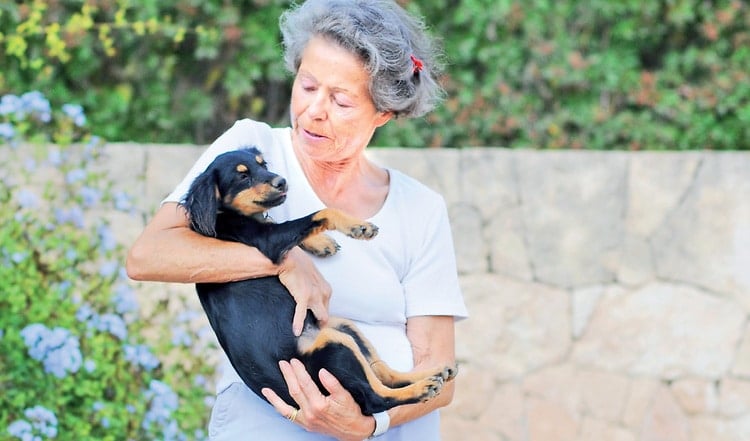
(337, 414)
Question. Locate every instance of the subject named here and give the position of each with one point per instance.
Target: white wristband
(382, 422)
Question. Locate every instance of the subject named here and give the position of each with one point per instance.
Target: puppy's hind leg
(390, 377)
(339, 353)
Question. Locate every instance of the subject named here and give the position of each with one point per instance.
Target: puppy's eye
(244, 177)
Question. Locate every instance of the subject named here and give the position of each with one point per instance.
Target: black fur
(252, 319)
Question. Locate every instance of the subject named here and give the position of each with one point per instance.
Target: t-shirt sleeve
(244, 133)
(431, 284)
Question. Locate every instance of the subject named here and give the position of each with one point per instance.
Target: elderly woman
(357, 65)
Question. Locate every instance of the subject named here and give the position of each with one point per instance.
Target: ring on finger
(293, 416)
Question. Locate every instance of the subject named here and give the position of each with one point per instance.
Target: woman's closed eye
(342, 100)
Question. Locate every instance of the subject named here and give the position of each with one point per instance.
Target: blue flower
(122, 201)
(21, 429)
(113, 324)
(90, 196)
(40, 423)
(55, 157)
(18, 257)
(84, 313)
(43, 420)
(27, 199)
(109, 269)
(11, 104)
(75, 175)
(187, 316)
(73, 216)
(30, 165)
(163, 401)
(181, 337)
(35, 103)
(63, 288)
(125, 300)
(140, 355)
(7, 131)
(106, 238)
(89, 365)
(75, 112)
(57, 349)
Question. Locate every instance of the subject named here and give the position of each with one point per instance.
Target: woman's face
(333, 116)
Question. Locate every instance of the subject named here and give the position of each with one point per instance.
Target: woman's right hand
(307, 286)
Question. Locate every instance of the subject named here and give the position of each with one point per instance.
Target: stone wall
(609, 292)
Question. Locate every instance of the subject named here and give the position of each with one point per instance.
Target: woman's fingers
(307, 392)
(308, 287)
(298, 322)
(331, 384)
(280, 405)
(337, 414)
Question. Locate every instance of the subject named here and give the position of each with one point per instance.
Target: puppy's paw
(449, 372)
(365, 230)
(432, 387)
(320, 245)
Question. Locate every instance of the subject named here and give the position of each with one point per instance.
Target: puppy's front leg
(321, 245)
(333, 219)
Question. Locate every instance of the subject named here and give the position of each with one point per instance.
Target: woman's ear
(383, 117)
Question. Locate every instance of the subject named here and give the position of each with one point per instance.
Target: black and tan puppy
(253, 318)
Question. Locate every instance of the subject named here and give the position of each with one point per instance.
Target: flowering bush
(73, 360)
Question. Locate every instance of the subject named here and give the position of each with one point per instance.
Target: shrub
(164, 71)
(602, 74)
(73, 362)
(599, 74)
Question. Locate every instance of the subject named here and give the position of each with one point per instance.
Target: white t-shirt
(407, 270)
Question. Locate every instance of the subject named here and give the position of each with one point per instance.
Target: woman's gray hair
(390, 42)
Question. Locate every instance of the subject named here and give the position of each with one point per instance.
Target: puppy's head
(236, 181)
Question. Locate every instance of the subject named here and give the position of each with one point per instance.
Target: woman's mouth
(312, 135)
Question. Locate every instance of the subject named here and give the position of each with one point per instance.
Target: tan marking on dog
(417, 390)
(389, 376)
(241, 168)
(320, 245)
(259, 159)
(245, 201)
(333, 219)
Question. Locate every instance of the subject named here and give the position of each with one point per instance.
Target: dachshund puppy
(252, 318)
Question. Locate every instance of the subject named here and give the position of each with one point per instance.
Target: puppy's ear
(202, 203)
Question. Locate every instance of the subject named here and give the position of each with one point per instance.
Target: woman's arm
(169, 251)
(433, 344)
(338, 415)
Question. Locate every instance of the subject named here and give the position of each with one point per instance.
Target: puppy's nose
(279, 183)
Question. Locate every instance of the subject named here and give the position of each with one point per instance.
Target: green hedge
(74, 361)
(600, 74)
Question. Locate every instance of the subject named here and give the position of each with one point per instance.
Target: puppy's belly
(253, 322)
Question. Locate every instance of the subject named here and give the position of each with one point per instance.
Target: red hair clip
(418, 65)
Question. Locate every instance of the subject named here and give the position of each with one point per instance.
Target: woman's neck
(355, 185)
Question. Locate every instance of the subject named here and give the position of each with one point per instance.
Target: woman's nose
(317, 108)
